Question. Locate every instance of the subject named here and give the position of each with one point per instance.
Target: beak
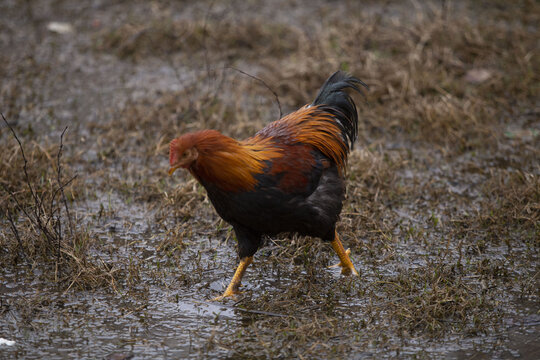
(173, 169)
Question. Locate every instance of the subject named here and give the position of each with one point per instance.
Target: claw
(345, 268)
(232, 289)
(231, 294)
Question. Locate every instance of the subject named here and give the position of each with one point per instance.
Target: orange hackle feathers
(230, 164)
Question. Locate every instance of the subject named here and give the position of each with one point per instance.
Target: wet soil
(443, 197)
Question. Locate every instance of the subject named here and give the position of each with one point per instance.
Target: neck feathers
(229, 164)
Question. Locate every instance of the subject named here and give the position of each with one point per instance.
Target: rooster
(288, 177)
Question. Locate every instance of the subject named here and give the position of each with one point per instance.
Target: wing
(296, 173)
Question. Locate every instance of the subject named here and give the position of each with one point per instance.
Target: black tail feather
(333, 98)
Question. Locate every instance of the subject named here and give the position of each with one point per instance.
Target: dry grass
(40, 231)
(442, 207)
(162, 37)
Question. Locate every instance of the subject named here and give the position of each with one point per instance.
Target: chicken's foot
(232, 289)
(347, 266)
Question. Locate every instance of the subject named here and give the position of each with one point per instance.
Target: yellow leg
(232, 289)
(347, 266)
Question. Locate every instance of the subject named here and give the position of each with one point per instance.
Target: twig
(60, 186)
(16, 234)
(262, 82)
(38, 210)
(25, 168)
(45, 222)
(258, 312)
(14, 198)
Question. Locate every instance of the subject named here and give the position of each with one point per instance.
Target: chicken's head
(182, 153)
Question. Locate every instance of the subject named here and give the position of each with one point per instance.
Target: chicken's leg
(347, 266)
(232, 289)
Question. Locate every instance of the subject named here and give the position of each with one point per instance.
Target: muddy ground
(103, 255)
